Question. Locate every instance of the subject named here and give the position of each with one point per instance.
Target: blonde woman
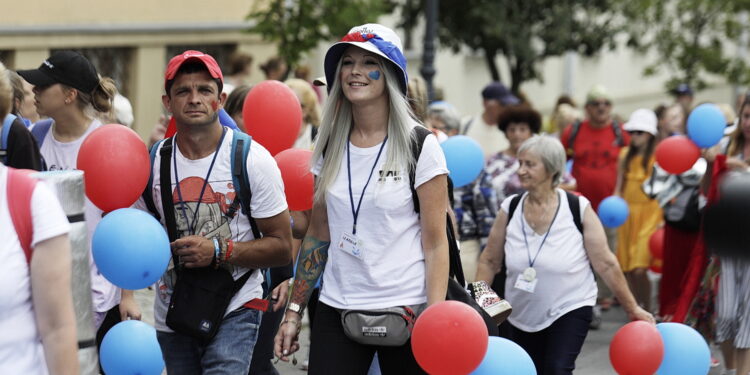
(384, 254)
(310, 112)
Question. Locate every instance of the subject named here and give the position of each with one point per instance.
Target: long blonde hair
(333, 135)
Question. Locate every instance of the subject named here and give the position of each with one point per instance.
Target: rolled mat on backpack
(68, 187)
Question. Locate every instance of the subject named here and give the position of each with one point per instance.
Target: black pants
(261, 363)
(554, 349)
(332, 353)
(110, 320)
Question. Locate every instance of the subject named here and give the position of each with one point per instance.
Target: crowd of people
(374, 244)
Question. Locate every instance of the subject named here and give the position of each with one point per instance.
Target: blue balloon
(505, 357)
(131, 348)
(227, 120)
(464, 157)
(130, 248)
(613, 211)
(685, 351)
(705, 125)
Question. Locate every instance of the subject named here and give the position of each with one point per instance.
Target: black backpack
(456, 280)
(682, 211)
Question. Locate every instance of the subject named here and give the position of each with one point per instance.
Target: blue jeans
(229, 352)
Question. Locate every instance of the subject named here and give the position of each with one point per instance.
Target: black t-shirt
(23, 152)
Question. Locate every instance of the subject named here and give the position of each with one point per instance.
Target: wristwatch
(296, 308)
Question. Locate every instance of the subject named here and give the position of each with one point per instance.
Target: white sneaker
(496, 307)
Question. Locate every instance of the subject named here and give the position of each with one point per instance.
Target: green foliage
(526, 32)
(297, 26)
(690, 38)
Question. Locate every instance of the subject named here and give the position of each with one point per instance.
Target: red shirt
(595, 154)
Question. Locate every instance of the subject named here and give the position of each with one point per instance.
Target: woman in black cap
(68, 90)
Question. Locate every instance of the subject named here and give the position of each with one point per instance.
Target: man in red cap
(199, 159)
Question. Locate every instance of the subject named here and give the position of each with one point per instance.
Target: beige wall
(31, 28)
(72, 12)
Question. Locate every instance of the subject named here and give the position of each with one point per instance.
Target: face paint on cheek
(375, 74)
(214, 105)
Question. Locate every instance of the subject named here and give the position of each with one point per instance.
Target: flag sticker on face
(375, 75)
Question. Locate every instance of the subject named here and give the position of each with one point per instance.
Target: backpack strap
(575, 210)
(20, 189)
(40, 130)
(165, 183)
(7, 123)
(573, 205)
(576, 127)
(241, 179)
(513, 205)
(466, 125)
(148, 196)
(417, 141)
(618, 133)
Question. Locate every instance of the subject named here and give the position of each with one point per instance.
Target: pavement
(593, 360)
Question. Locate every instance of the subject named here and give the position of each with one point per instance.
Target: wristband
(217, 249)
(230, 247)
(291, 221)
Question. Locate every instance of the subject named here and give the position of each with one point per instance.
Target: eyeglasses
(599, 103)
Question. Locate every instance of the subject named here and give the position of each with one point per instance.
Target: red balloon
(298, 180)
(116, 165)
(449, 338)
(272, 115)
(656, 244)
(677, 154)
(636, 349)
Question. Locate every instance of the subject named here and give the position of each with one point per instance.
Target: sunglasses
(599, 103)
(637, 132)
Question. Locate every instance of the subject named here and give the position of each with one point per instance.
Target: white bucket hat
(642, 120)
(374, 38)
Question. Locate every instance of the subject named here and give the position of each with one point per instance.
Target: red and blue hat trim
(390, 50)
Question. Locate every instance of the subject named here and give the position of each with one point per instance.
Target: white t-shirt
(21, 350)
(391, 270)
(268, 200)
(563, 270)
(63, 156)
(490, 138)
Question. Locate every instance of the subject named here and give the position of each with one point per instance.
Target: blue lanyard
(355, 212)
(523, 228)
(191, 224)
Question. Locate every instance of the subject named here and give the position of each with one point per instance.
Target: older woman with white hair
(551, 242)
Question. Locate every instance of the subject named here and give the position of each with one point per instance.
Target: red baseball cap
(176, 62)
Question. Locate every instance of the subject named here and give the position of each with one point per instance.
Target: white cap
(642, 120)
(123, 110)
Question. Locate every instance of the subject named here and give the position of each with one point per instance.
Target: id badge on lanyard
(352, 245)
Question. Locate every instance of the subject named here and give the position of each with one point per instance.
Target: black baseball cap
(66, 67)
